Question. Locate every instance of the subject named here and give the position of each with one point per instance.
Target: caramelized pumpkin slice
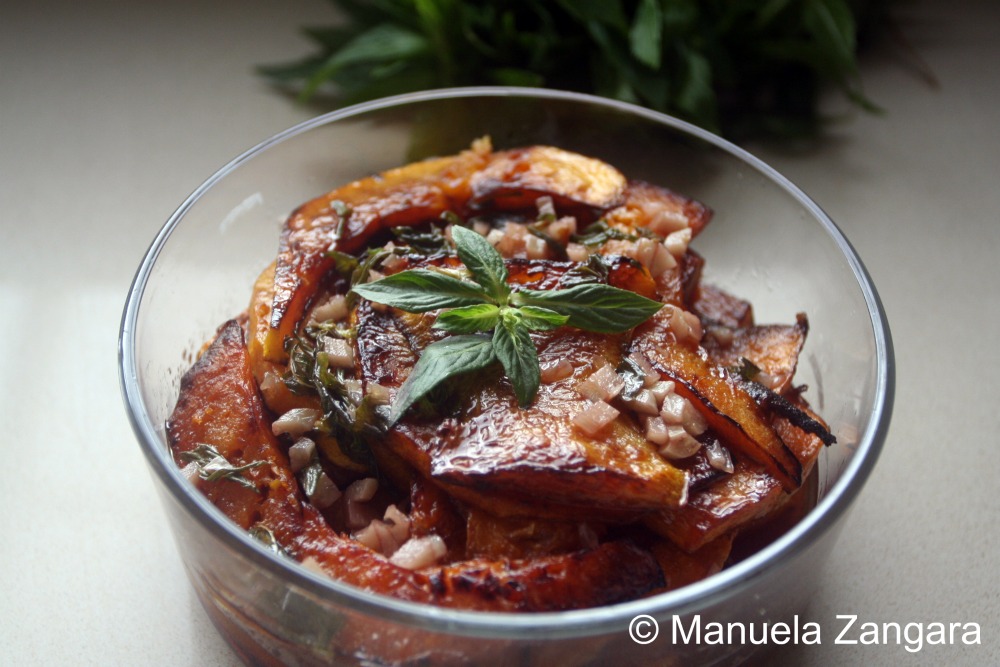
(581, 186)
(739, 499)
(806, 446)
(219, 405)
(525, 537)
(488, 452)
(658, 210)
(609, 573)
(773, 348)
(681, 568)
(347, 218)
(729, 410)
(676, 286)
(267, 367)
(747, 494)
(713, 305)
(541, 274)
(650, 212)
(433, 512)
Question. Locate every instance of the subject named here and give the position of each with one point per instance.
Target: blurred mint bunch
(741, 68)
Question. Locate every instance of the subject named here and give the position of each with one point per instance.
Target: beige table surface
(111, 112)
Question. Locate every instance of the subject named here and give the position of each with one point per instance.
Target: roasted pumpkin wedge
(347, 218)
(515, 179)
(220, 406)
(650, 208)
(492, 454)
(773, 349)
(730, 411)
(744, 496)
(715, 306)
(681, 568)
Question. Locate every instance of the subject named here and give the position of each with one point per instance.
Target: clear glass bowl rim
(689, 599)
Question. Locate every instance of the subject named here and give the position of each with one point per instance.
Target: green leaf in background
(741, 68)
(380, 44)
(293, 71)
(694, 93)
(646, 32)
(832, 27)
(597, 12)
(330, 37)
(435, 16)
(768, 11)
(513, 76)
(370, 12)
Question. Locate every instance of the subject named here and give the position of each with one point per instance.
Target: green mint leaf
(357, 269)
(513, 76)
(343, 212)
(420, 290)
(382, 43)
(541, 319)
(483, 261)
(557, 248)
(343, 263)
(379, 44)
(424, 242)
(593, 306)
(694, 94)
(595, 270)
(746, 369)
(469, 319)
(598, 12)
(438, 362)
(516, 351)
(213, 466)
(599, 233)
(309, 373)
(642, 53)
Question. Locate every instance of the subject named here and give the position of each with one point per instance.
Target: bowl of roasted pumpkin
(502, 376)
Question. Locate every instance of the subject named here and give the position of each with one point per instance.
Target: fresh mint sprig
(739, 68)
(487, 304)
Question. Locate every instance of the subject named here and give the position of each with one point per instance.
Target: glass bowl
(768, 243)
